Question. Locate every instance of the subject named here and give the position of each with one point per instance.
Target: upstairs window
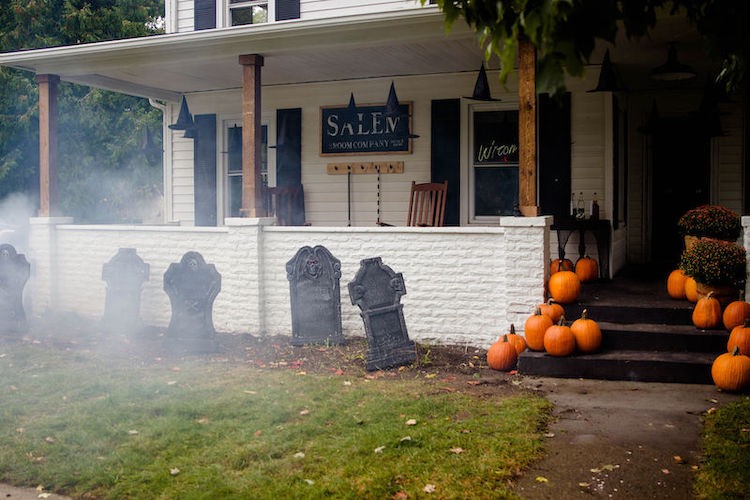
(243, 12)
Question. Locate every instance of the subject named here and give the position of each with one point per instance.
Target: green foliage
(103, 174)
(710, 221)
(565, 32)
(715, 262)
(725, 472)
(102, 426)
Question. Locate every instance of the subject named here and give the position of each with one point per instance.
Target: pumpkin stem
(709, 294)
(584, 313)
(746, 323)
(512, 329)
(550, 301)
(562, 321)
(736, 351)
(538, 311)
(505, 337)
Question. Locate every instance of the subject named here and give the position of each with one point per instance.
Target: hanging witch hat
(393, 108)
(184, 119)
(482, 87)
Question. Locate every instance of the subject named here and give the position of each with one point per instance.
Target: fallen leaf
(40, 488)
(299, 454)
(309, 481)
(541, 479)
(250, 392)
(301, 373)
(429, 488)
(304, 412)
(176, 368)
(431, 375)
(257, 433)
(665, 471)
(711, 410)
(171, 382)
(678, 459)
(411, 421)
(714, 401)
(20, 430)
(339, 372)
(584, 485)
(457, 450)
(473, 382)
(595, 470)
(44, 495)
(132, 432)
(174, 471)
(694, 467)
(202, 420)
(379, 449)
(49, 439)
(400, 495)
(405, 438)
(347, 382)
(549, 434)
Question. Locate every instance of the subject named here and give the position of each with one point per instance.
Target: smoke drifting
(15, 211)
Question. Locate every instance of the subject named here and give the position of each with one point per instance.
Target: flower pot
(725, 294)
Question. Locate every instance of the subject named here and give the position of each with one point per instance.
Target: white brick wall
(464, 285)
(746, 244)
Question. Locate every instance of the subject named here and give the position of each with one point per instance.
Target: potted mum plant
(718, 266)
(709, 221)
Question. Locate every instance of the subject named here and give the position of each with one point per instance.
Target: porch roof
(352, 47)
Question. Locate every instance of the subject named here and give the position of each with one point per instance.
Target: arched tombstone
(192, 285)
(377, 290)
(315, 296)
(14, 273)
(125, 274)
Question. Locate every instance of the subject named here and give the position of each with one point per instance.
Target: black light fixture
(482, 87)
(672, 70)
(607, 77)
(393, 107)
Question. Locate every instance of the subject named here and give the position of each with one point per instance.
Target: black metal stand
(600, 229)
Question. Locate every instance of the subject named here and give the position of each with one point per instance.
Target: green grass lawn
(726, 447)
(89, 426)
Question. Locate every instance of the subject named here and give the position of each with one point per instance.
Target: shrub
(710, 221)
(715, 262)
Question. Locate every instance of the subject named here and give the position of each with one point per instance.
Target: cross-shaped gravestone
(124, 274)
(315, 296)
(14, 273)
(192, 285)
(377, 290)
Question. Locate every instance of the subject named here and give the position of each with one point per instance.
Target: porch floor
(646, 335)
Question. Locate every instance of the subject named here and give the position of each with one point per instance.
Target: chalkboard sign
(364, 129)
(496, 137)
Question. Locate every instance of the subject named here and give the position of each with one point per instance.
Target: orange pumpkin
(587, 269)
(740, 337)
(691, 290)
(676, 284)
(518, 341)
(559, 339)
(564, 287)
(587, 333)
(707, 313)
(561, 265)
(534, 329)
(502, 355)
(736, 313)
(731, 371)
(553, 310)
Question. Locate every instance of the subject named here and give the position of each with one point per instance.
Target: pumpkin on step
(502, 355)
(707, 313)
(691, 290)
(676, 284)
(518, 341)
(534, 329)
(559, 339)
(564, 287)
(561, 265)
(587, 269)
(552, 309)
(731, 371)
(736, 313)
(740, 337)
(587, 333)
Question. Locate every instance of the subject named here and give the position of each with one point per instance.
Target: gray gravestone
(125, 274)
(377, 290)
(315, 296)
(192, 285)
(14, 273)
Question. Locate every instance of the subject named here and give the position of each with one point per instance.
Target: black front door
(681, 180)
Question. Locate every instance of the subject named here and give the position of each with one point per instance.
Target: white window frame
(467, 159)
(226, 10)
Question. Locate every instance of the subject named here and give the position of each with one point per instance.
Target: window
(233, 186)
(493, 167)
(248, 12)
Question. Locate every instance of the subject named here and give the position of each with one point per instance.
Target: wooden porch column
(47, 144)
(252, 195)
(527, 129)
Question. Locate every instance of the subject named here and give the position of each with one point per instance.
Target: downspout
(166, 158)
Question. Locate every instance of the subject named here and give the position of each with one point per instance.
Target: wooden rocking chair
(427, 204)
(288, 205)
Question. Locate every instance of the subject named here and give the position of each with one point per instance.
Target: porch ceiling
(407, 42)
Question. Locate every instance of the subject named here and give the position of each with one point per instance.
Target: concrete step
(661, 337)
(681, 313)
(640, 366)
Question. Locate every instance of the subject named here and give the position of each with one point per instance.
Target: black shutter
(445, 156)
(204, 170)
(554, 155)
(288, 147)
(287, 9)
(204, 15)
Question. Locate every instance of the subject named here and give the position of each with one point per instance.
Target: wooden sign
(364, 130)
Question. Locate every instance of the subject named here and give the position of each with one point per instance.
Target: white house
(269, 85)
